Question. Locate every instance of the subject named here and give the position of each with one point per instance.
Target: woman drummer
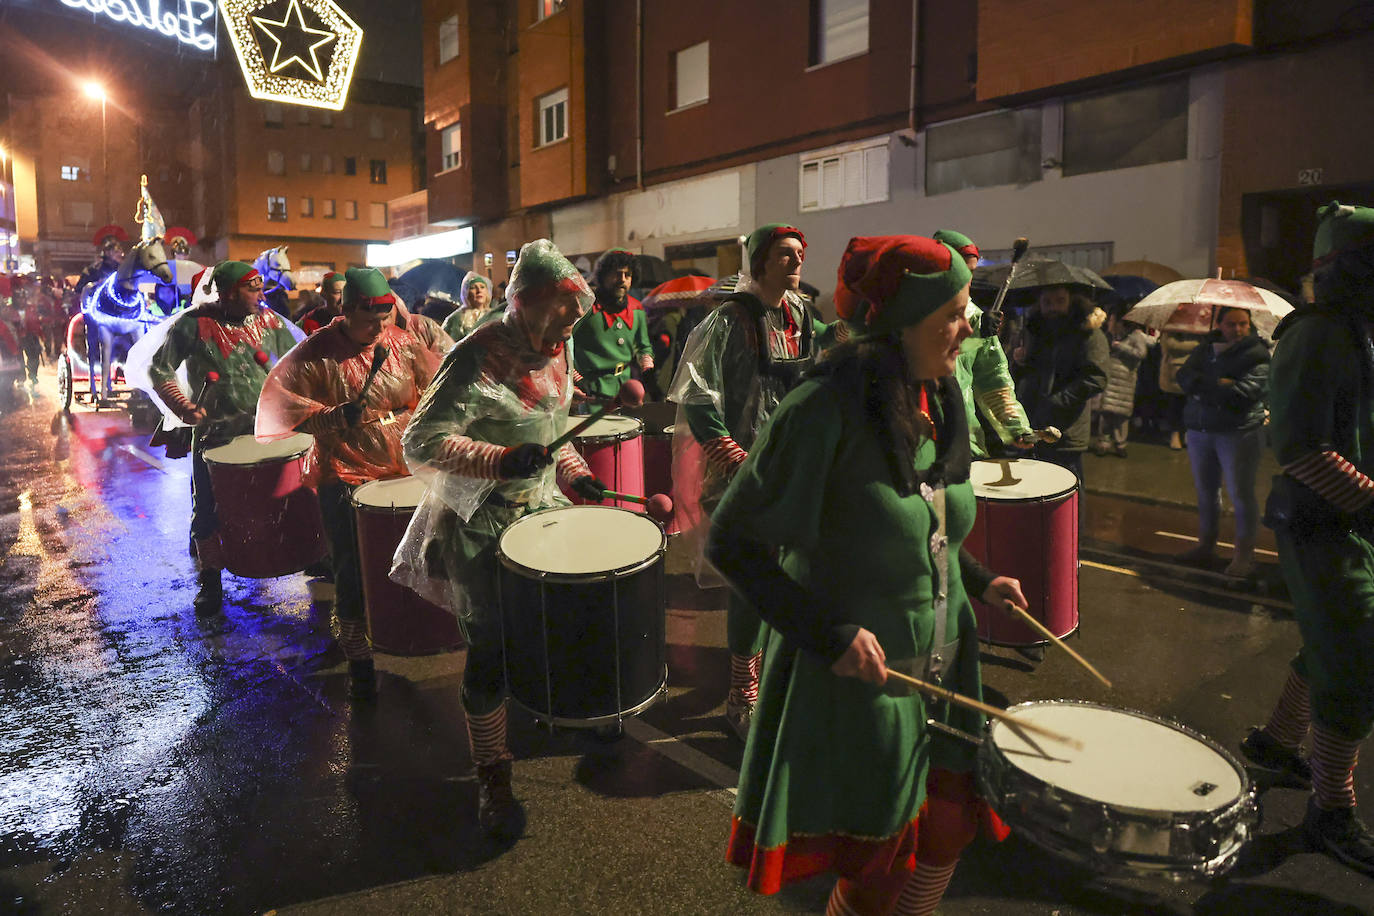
(843, 527)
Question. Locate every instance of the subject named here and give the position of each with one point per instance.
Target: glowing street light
(95, 90)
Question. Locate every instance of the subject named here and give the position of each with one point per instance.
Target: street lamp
(96, 91)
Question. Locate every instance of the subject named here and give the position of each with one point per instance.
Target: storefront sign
(300, 52)
(192, 22)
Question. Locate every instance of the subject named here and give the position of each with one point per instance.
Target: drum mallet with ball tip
(994, 313)
(659, 506)
(379, 356)
(958, 699)
(631, 394)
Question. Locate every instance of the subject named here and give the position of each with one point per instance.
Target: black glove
(352, 412)
(589, 488)
(991, 324)
(525, 460)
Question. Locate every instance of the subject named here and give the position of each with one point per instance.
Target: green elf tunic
(834, 772)
(608, 344)
(1322, 400)
(987, 386)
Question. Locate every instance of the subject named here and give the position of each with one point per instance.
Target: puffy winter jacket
(1126, 355)
(1066, 365)
(1214, 407)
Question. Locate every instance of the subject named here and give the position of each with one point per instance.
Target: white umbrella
(1192, 305)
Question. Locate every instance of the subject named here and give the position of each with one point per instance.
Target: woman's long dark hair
(872, 371)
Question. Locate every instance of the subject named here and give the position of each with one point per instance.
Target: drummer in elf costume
(476, 305)
(735, 368)
(237, 338)
(1321, 394)
(843, 528)
(480, 438)
(982, 372)
(614, 337)
(318, 389)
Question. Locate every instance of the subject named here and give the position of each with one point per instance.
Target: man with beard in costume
(614, 337)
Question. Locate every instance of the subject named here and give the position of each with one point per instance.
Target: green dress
(833, 763)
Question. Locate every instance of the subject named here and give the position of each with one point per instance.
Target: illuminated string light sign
(300, 52)
(191, 22)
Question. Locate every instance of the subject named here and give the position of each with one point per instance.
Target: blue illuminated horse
(116, 312)
(275, 268)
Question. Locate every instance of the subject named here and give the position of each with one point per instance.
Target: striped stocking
(924, 890)
(744, 677)
(487, 736)
(353, 639)
(1333, 769)
(1291, 717)
(839, 905)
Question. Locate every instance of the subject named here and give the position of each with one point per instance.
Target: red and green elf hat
(958, 241)
(1341, 228)
(366, 287)
(330, 277)
(757, 245)
(228, 276)
(901, 279)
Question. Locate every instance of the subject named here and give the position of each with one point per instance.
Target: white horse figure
(274, 265)
(116, 312)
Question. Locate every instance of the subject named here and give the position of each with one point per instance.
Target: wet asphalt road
(151, 762)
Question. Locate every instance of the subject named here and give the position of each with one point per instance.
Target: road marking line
(1195, 586)
(1189, 537)
(683, 754)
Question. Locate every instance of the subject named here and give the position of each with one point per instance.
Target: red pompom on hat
(901, 278)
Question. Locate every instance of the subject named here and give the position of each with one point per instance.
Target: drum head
(1129, 760)
(582, 540)
(401, 493)
(247, 450)
(1022, 478)
(612, 428)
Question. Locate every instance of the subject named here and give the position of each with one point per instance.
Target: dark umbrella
(1130, 289)
(1037, 273)
(651, 271)
(408, 294)
(435, 278)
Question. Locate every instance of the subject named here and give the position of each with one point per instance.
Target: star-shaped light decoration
(280, 33)
(295, 35)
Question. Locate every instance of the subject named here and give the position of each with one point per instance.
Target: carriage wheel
(64, 380)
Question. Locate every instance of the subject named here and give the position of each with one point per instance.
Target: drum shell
(570, 638)
(658, 467)
(400, 622)
(1034, 540)
(618, 462)
(1110, 839)
(269, 519)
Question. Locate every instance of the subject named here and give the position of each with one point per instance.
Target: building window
(71, 173)
(78, 212)
(378, 216)
(276, 162)
(839, 29)
(451, 138)
(326, 119)
(999, 148)
(272, 114)
(305, 162)
(376, 170)
(376, 127)
(448, 39)
(327, 208)
(350, 209)
(327, 163)
(689, 75)
(1132, 127)
(553, 117)
(845, 176)
(307, 206)
(350, 165)
(276, 208)
(546, 8)
(303, 115)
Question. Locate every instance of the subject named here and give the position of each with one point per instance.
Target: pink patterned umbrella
(1191, 305)
(675, 292)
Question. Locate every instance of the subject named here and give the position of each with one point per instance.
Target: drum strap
(939, 555)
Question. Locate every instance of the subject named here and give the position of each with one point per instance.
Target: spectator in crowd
(1113, 408)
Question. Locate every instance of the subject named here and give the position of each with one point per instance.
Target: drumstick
(1044, 631)
(379, 356)
(958, 699)
(631, 393)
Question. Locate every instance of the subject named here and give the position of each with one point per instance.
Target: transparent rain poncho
(328, 370)
(465, 318)
(494, 390)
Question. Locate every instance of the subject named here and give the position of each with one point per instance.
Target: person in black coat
(1226, 381)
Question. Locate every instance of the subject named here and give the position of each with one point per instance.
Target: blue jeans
(1232, 456)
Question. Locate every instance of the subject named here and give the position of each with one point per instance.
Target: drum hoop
(1051, 497)
(604, 575)
(598, 721)
(1239, 801)
(279, 459)
(608, 438)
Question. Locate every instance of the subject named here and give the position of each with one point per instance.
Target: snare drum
(614, 450)
(581, 593)
(401, 622)
(269, 520)
(1144, 796)
(1026, 527)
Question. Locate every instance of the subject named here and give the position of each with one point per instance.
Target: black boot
(362, 679)
(1290, 767)
(209, 593)
(499, 814)
(1342, 835)
(1034, 653)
